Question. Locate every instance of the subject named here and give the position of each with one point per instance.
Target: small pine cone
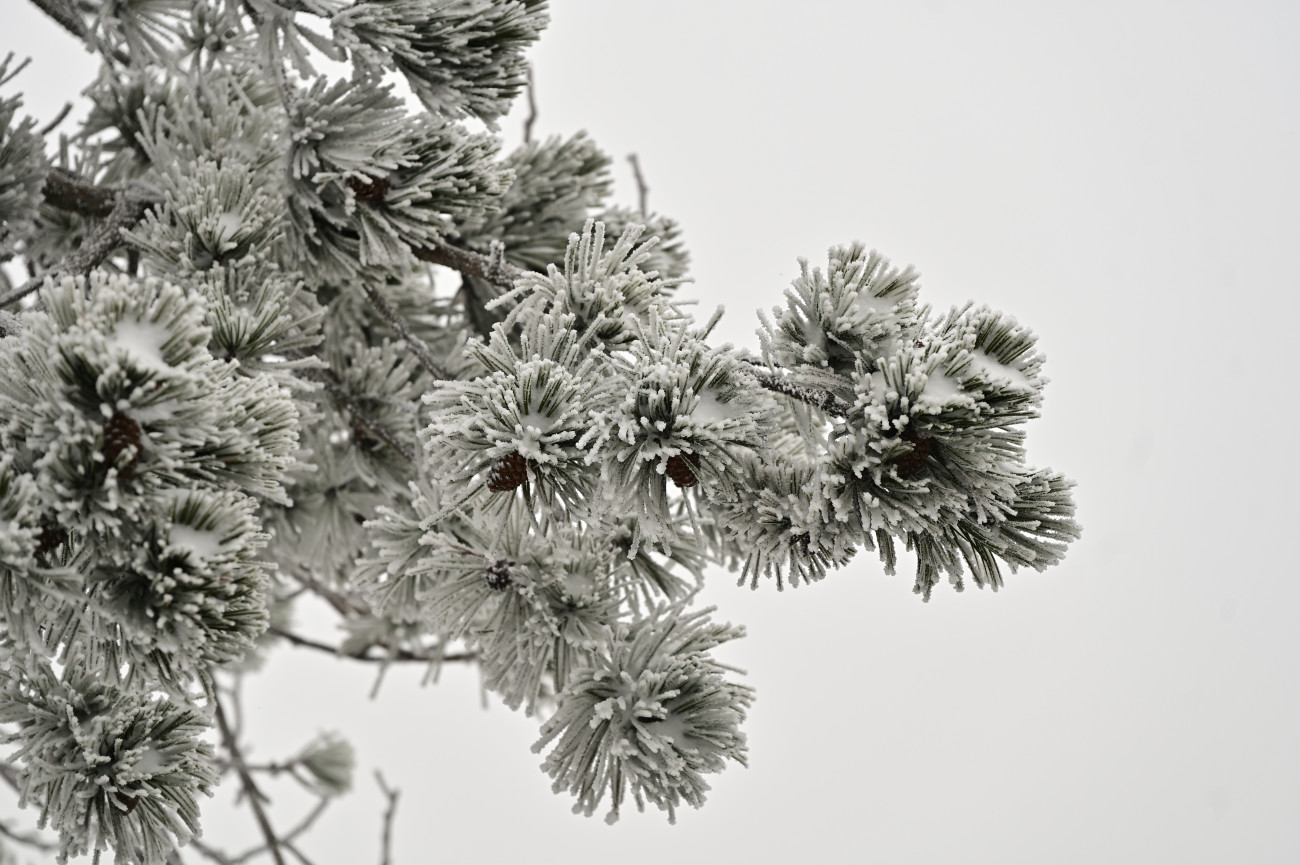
(682, 469)
(498, 575)
(369, 189)
(120, 432)
(127, 802)
(910, 464)
(509, 472)
(50, 538)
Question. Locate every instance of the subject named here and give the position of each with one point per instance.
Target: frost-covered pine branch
(229, 381)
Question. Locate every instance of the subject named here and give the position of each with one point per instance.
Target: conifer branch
(345, 399)
(120, 209)
(493, 268)
(818, 398)
(66, 16)
(397, 323)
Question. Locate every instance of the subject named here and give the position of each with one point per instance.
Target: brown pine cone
(498, 575)
(120, 432)
(682, 469)
(910, 464)
(370, 189)
(509, 472)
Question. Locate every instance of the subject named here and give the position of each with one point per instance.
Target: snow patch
(1000, 372)
(204, 543)
(710, 409)
(143, 341)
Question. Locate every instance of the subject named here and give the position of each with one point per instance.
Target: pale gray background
(1120, 176)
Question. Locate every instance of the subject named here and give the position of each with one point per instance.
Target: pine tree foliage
(233, 379)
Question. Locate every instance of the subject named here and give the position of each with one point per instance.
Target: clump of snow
(204, 543)
(1000, 372)
(143, 341)
(710, 409)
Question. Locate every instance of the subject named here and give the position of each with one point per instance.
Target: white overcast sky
(1123, 178)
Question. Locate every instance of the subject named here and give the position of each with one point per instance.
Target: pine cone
(498, 575)
(509, 472)
(120, 432)
(910, 464)
(50, 538)
(127, 802)
(682, 469)
(370, 189)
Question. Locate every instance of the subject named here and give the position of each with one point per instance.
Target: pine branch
(120, 209)
(67, 17)
(816, 397)
(341, 396)
(397, 323)
(493, 268)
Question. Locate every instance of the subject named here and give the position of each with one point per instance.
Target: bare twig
(397, 323)
(532, 108)
(211, 853)
(255, 795)
(58, 118)
(67, 17)
(641, 188)
(391, 795)
(364, 655)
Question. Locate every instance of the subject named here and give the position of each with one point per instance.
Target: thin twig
(307, 821)
(417, 345)
(246, 781)
(386, 850)
(211, 852)
(363, 654)
(532, 108)
(58, 118)
(30, 839)
(641, 188)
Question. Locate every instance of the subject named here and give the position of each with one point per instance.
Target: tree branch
(354, 408)
(67, 17)
(816, 397)
(397, 323)
(255, 795)
(119, 208)
(493, 268)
